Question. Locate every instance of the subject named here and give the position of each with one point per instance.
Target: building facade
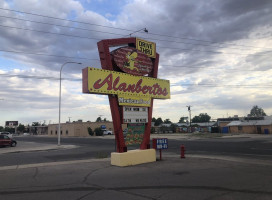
(79, 129)
(253, 126)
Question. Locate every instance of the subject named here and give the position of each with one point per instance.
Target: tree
(167, 121)
(1, 128)
(11, 130)
(174, 128)
(158, 121)
(202, 117)
(90, 131)
(153, 119)
(21, 128)
(257, 112)
(98, 131)
(35, 124)
(98, 119)
(182, 120)
(152, 130)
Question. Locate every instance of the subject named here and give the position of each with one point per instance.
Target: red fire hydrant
(182, 151)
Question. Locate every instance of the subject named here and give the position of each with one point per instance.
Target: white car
(26, 134)
(107, 132)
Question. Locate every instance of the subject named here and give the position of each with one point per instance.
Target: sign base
(133, 157)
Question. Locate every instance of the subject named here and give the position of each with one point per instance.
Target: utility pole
(189, 110)
(69, 119)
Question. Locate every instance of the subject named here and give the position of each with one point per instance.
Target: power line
(193, 67)
(70, 57)
(105, 32)
(62, 34)
(62, 19)
(46, 23)
(229, 86)
(43, 54)
(217, 52)
(207, 41)
(123, 29)
(185, 84)
(97, 39)
(38, 77)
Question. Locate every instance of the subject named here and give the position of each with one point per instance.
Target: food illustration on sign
(135, 134)
(132, 61)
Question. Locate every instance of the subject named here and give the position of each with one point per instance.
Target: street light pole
(60, 96)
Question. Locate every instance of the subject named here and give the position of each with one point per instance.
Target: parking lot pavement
(172, 178)
(33, 146)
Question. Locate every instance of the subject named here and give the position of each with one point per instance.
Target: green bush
(90, 131)
(98, 131)
(152, 130)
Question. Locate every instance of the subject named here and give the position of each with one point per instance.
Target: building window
(51, 132)
(56, 132)
(66, 132)
(61, 132)
(240, 128)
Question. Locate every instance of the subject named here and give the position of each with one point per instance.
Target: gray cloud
(211, 39)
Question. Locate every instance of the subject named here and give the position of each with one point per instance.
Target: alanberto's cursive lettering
(138, 88)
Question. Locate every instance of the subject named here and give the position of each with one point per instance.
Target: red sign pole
(160, 154)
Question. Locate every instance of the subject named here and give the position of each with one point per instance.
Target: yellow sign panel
(148, 48)
(135, 89)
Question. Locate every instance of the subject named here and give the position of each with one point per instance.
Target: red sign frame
(116, 111)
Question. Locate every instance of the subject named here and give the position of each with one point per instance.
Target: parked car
(7, 141)
(107, 132)
(6, 133)
(26, 134)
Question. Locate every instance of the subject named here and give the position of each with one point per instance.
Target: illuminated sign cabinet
(129, 78)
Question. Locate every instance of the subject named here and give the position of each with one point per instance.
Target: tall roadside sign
(129, 78)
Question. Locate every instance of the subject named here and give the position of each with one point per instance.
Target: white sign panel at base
(135, 114)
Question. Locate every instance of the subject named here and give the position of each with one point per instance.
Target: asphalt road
(257, 148)
(214, 169)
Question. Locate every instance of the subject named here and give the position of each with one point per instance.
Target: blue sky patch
(107, 8)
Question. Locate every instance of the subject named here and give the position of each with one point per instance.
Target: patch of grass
(101, 155)
(206, 135)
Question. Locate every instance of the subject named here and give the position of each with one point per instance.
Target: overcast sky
(217, 55)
